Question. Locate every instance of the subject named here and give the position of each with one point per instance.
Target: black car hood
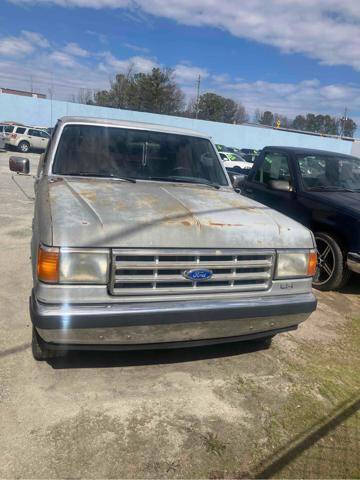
(344, 201)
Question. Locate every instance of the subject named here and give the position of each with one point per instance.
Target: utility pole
(343, 122)
(51, 91)
(197, 96)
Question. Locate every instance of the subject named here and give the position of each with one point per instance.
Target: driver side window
(274, 167)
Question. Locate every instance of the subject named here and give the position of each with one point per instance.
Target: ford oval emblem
(198, 274)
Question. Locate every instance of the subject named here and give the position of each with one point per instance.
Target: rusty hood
(111, 213)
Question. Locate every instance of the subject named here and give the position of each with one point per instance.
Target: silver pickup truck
(140, 241)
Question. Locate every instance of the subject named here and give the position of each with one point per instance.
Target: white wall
(40, 112)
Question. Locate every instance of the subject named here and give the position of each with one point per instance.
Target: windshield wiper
(101, 175)
(186, 180)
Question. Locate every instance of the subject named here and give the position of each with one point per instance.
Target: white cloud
(222, 78)
(23, 45)
(185, 73)
(78, 3)
(76, 50)
(35, 39)
(64, 71)
(14, 46)
(136, 48)
(51, 72)
(294, 98)
(62, 59)
(327, 30)
(100, 36)
(73, 68)
(136, 63)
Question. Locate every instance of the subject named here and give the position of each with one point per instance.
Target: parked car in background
(235, 161)
(2, 137)
(250, 154)
(140, 241)
(322, 191)
(6, 131)
(223, 148)
(25, 139)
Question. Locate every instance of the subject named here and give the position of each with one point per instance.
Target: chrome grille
(160, 272)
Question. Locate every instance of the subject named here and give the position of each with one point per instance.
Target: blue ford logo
(198, 274)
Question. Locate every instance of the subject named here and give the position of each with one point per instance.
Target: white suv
(232, 160)
(27, 138)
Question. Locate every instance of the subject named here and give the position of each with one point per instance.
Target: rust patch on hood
(89, 195)
(213, 224)
(146, 200)
(193, 220)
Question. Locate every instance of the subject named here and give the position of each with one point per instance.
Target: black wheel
(39, 350)
(331, 272)
(24, 146)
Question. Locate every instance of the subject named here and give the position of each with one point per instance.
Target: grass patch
(213, 444)
(323, 434)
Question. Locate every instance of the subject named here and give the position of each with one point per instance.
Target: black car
(321, 190)
(250, 154)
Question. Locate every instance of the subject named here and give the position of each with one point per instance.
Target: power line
(197, 96)
(46, 82)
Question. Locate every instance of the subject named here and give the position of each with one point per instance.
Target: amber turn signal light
(312, 264)
(48, 264)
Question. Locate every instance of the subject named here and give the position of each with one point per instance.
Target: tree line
(323, 124)
(158, 92)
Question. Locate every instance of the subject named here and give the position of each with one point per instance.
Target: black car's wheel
(331, 272)
(39, 350)
(24, 147)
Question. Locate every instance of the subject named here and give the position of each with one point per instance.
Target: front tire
(24, 147)
(39, 350)
(332, 272)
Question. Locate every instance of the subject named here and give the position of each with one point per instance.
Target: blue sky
(289, 56)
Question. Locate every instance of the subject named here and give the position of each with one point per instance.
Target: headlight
(296, 264)
(84, 266)
(73, 265)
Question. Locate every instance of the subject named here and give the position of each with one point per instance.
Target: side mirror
(19, 165)
(282, 185)
(236, 179)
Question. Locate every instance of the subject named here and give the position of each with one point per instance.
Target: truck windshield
(322, 172)
(125, 153)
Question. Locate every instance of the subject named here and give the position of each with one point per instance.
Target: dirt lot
(230, 411)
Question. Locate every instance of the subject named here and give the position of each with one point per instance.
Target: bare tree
(84, 96)
(241, 115)
(258, 114)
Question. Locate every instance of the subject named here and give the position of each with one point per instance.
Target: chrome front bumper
(168, 322)
(353, 262)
